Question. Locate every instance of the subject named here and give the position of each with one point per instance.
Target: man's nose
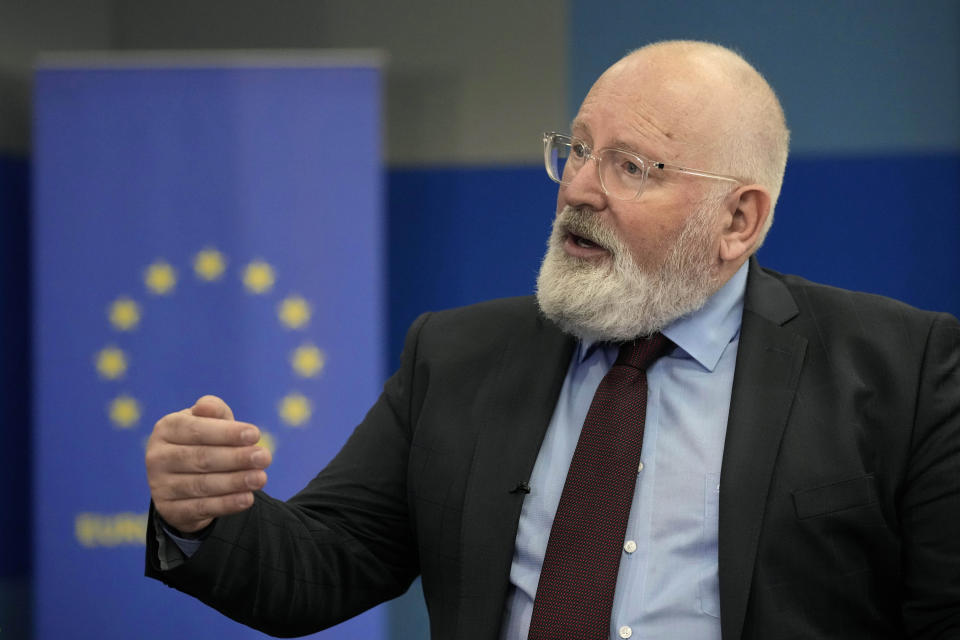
(585, 190)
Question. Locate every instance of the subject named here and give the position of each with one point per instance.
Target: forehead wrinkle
(663, 143)
(642, 135)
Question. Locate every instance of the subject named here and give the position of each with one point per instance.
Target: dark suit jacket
(840, 488)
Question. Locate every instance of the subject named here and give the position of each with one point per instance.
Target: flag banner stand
(201, 226)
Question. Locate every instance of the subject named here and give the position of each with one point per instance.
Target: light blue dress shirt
(667, 586)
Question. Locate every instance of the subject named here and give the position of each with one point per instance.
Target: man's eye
(630, 168)
(578, 149)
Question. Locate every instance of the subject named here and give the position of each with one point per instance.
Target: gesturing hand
(202, 464)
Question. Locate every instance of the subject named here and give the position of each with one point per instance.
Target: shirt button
(625, 631)
(629, 546)
(640, 467)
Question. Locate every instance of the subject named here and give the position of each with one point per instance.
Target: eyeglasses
(622, 173)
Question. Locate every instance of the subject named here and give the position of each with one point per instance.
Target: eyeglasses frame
(646, 163)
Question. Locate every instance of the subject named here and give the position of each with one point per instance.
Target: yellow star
(160, 277)
(258, 277)
(294, 312)
(124, 314)
(294, 409)
(307, 360)
(111, 363)
(209, 265)
(267, 441)
(124, 411)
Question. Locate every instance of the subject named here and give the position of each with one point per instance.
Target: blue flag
(198, 229)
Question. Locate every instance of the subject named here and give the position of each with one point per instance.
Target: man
(799, 474)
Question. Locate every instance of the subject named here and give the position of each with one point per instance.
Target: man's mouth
(583, 242)
(581, 246)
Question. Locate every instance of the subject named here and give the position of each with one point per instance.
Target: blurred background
(870, 201)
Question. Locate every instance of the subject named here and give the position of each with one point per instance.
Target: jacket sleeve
(340, 546)
(929, 506)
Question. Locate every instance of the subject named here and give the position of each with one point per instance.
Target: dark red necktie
(579, 574)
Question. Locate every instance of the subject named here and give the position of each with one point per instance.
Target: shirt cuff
(188, 546)
(173, 555)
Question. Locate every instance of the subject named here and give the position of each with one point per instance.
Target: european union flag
(201, 227)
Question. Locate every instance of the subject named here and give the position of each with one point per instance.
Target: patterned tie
(579, 574)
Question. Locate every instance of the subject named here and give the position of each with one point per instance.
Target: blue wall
(458, 236)
(884, 224)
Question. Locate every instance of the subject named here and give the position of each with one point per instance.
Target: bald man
(795, 472)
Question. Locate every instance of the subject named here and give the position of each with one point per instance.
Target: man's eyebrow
(617, 143)
(626, 146)
(620, 143)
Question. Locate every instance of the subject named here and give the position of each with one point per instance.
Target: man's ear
(746, 211)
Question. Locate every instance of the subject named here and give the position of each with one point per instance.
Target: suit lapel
(769, 360)
(521, 396)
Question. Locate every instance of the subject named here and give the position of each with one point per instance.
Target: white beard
(615, 299)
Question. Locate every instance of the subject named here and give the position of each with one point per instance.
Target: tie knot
(642, 352)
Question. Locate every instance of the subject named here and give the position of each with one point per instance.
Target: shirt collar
(705, 333)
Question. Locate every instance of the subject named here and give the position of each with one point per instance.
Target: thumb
(211, 407)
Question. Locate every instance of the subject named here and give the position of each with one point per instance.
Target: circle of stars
(258, 277)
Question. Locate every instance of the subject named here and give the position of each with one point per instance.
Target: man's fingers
(203, 459)
(204, 485)
(201, 464)
(212, 407)
(194, 514)
(184, 428)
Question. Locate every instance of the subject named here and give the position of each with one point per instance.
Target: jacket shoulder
(494, 318)
(482, 332)
(846, 304)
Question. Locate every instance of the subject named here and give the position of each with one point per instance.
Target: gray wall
(27, 27)
(467, 83)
